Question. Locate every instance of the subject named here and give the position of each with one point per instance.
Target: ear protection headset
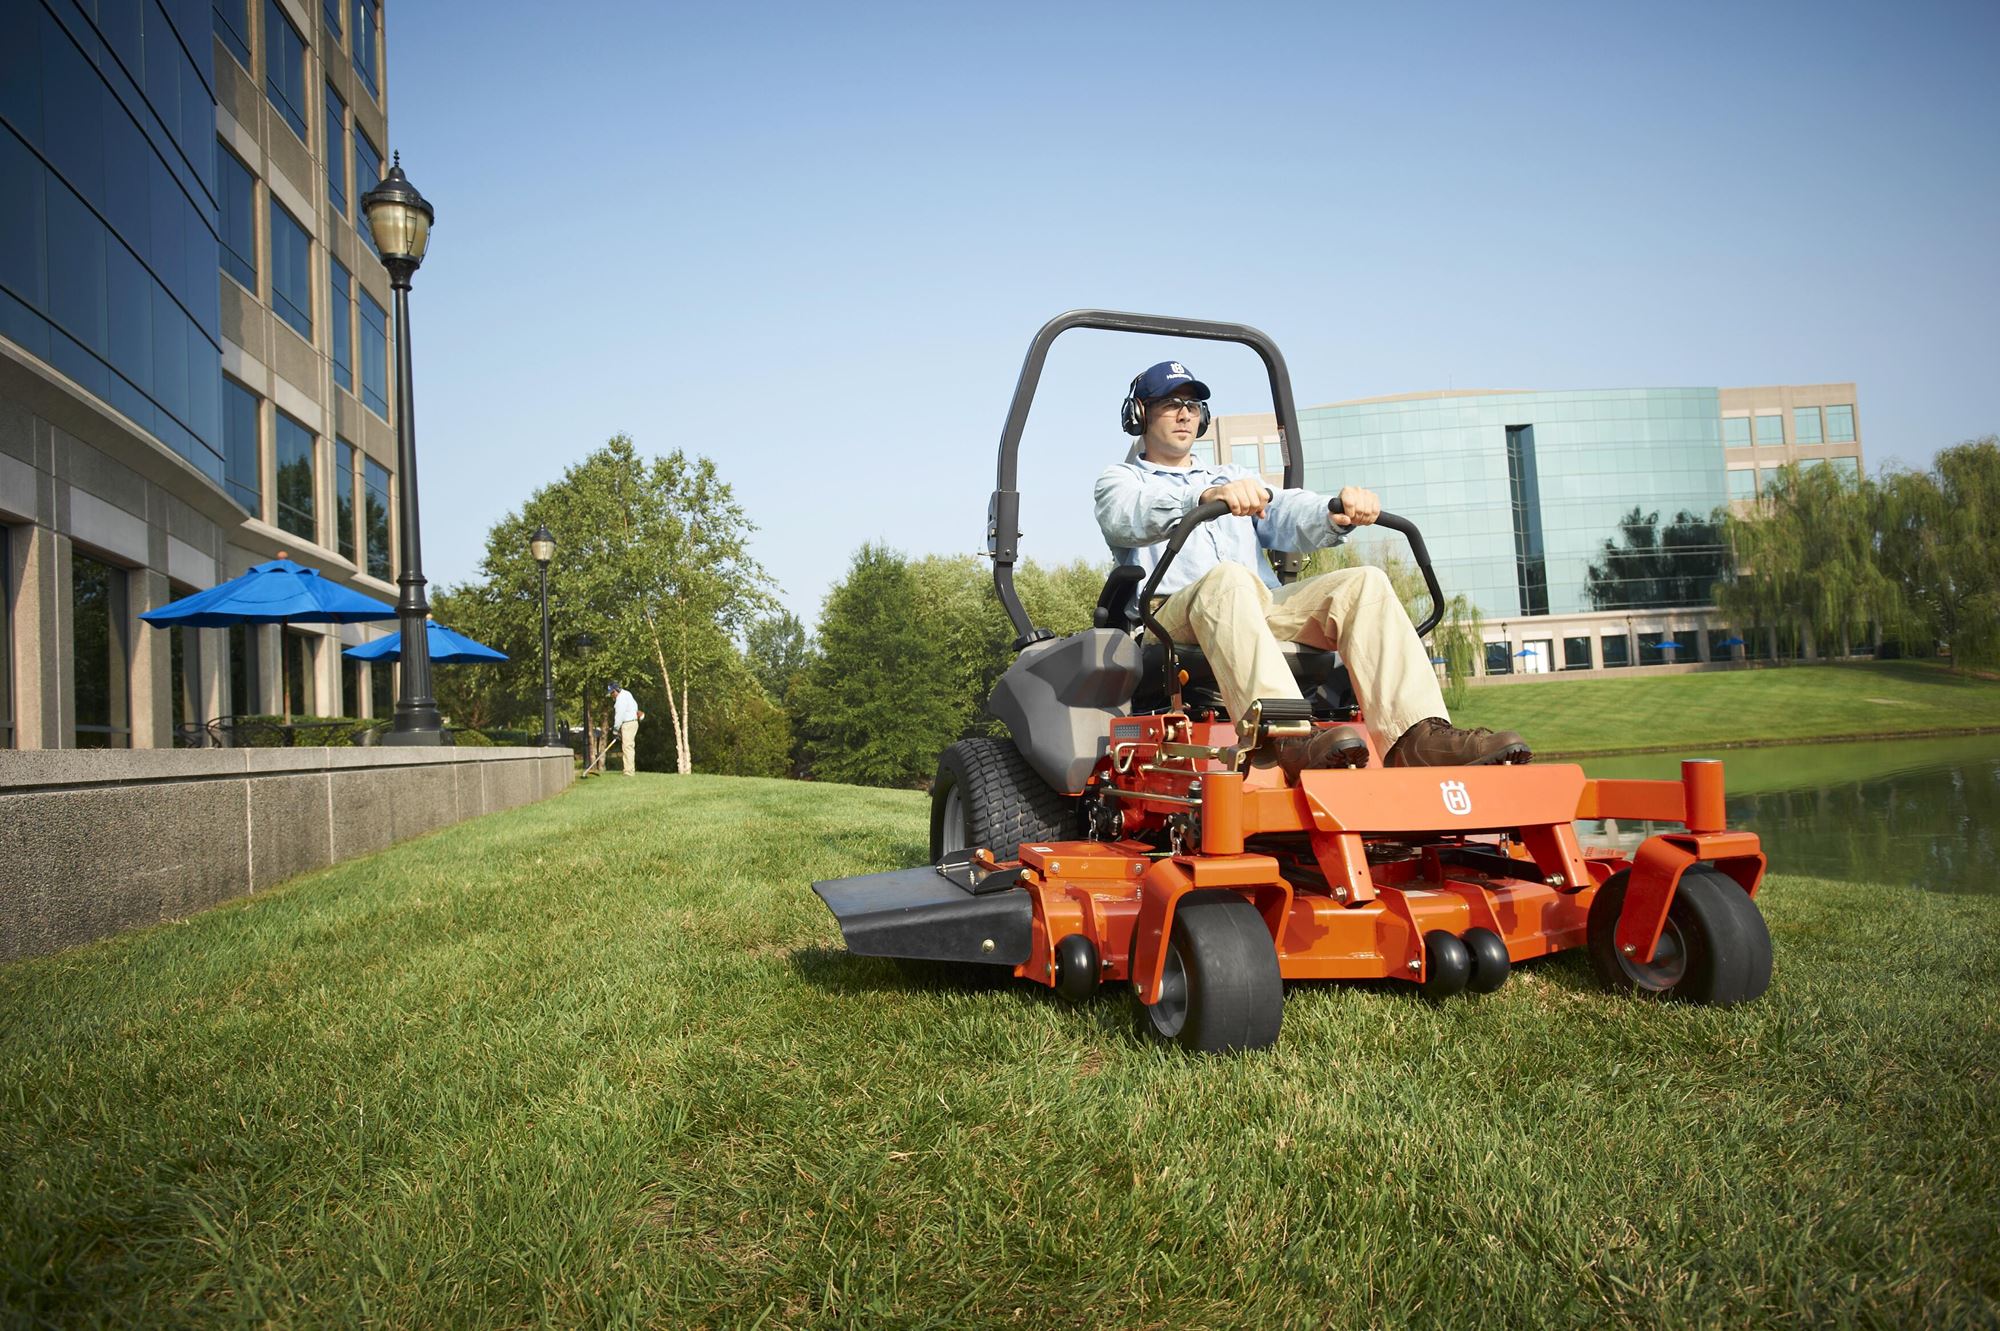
(1132, 412)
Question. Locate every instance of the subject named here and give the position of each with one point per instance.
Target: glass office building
(1518, 493)
(1582, 524)
(107, 211)
(195, 353)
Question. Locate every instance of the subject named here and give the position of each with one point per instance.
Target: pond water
(1918, 813)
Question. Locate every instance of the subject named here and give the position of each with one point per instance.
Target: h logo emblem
(1456, 800)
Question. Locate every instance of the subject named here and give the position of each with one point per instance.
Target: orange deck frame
(1333, 912)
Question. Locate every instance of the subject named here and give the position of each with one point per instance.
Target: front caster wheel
(1447, 965)
(1220, 989)
(1490, 962)
(1076, 968)
(1714, 947)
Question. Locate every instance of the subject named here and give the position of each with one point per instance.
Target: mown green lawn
(1724, 707)
(602, 1062)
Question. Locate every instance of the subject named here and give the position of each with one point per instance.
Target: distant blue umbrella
(279, 592)
(1666, 644)
(1732, 642)
(447, 648)
(1527, 651)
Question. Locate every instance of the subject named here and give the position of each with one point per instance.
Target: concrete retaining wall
(92, 843)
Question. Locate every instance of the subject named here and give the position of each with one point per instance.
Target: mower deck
(1351, 870)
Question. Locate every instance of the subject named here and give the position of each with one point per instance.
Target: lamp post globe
(400, 220)
(542, 546)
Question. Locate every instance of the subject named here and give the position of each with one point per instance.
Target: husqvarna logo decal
(1455, 799)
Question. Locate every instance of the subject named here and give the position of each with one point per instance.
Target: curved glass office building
(1583, 524)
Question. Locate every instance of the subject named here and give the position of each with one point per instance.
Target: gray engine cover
(1057, 695)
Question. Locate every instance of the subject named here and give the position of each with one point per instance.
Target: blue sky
(812, 242)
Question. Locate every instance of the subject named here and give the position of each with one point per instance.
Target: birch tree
(652, 562)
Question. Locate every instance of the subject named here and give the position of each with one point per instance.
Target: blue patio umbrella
(277, 591)
(1668, 642)
(1732, 642)
(447, 648)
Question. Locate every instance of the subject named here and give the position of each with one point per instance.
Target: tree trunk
(676, 711)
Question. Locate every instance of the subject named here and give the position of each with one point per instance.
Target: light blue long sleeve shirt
(1139, 501)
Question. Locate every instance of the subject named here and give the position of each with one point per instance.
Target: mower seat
(1321, 676)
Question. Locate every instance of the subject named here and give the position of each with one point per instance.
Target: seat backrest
(1118, 603)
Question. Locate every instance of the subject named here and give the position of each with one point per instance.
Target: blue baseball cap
(1169, 376)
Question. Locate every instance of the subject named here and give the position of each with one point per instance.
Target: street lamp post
(543, 546)
(400, 221)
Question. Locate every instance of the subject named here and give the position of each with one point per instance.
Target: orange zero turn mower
(1125, 830)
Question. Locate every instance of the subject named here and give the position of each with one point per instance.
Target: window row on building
(285, 62)
(1750, 482)
(357, 525)
(357, 323)
(1810, 425)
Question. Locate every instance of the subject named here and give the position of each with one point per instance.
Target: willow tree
(1807, 561)
(651, 562)
(1940, 543)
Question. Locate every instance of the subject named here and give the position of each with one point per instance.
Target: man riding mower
(1219, 804)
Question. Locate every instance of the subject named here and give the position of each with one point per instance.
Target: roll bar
(1003, 513)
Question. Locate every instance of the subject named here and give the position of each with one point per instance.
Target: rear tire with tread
(987, 796)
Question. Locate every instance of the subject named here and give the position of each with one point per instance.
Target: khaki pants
(1238, 621)
(628, 741)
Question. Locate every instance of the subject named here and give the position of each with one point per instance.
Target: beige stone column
(150, 652)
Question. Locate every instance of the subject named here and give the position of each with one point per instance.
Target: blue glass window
(239, 447)
(170, 354)
(343, 498)
(291, 271)
(1736, 431)
(1846, 468)
(336, 151)
(24, 213)
(1245, 455)
(72, 113)
(129, 290)
(76, 268)
(377, 501)
(374, 356)
(340, 315)
(367, 174)
(1840, 425)
(1743, 483)
(331, 9)
(296, 478)
(285, 67)
(1770, 428)
(366, 19)
(232, 25)
(236, 208)
(1805, 425)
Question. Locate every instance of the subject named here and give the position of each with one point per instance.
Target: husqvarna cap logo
(1456, 800)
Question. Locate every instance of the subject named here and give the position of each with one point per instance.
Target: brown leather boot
(1435, 742)
(1334, 746)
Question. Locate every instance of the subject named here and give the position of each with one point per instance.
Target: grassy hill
(602, 1061)
(1725, 707)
